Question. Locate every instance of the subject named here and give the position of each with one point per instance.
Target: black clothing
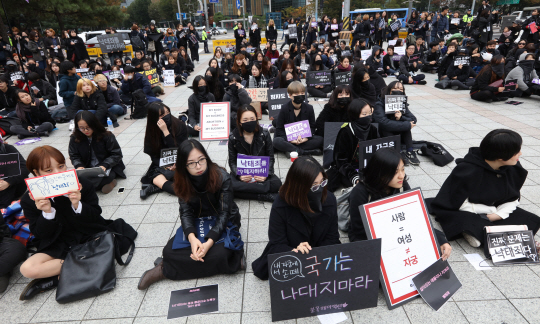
(237, 100)
(363, 90)
(329, 114)
(482, 86)
(194, 107)
(8, 100)
(107, 151)
(239, 38)
(12, 252)
(96, 101)
(17, 185)
(255, 38)
(388, 122)
(271, 34)
(288, 228)
(37, 116)
(287, 116)
(46, 91)
(77, 51)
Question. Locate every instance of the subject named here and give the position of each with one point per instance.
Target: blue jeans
(116, 110)
(324, 36)
(392, 71)
(92, 111)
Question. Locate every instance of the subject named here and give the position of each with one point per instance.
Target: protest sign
(168, 78)
(342, 78)
(394, 103)
(58, 96)
(10, 165)
(330, 279)
(53, 185)
(257, 106)
(250, 50)
(392, 42)
(168, 157)
(258, 94)
(111, 43)
(215, 121)
(532, 27)
(400, 50)
(301, 128)
(536, 81)
(414, 58)
(241, 32)
(331, 130)
(408, 243)
(292, 32)
(510, 85)
(151, 75)
(313, 24)
(229, 50)
(512, 247)
(314, 78)
(365, 54)
(462, 60)
(193, 301)
(437, 284)
(86, 74)
(256, 166)
(395, 25)
(276, 99)
(17, 75)
(304, 67)
(455, 21)
(367, 148)
(346, 53)
(119, 75)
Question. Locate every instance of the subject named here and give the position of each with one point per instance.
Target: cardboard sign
(346, 53)
(301, 128)
(258, 94)
(111, 43)
(17, 75)
(367, 148)
(314, 78)
(510, 85)
(168, 78)
(255, 166)
(276, 99)
(53, 185)
(408, 243)
(342, 78)
(437, 284)
(168, 157)
(394, 103)
(193, 301)
(151, 76)
(512, 247)
(331, 130)
(329, 279)
(365, 54)
(10, 165)
(257, 106)
(400, 50)
(395, 25)
(462, 60)
(455, 21)
(292, 32)
(215, 121)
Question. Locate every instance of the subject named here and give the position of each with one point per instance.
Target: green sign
(507, 2)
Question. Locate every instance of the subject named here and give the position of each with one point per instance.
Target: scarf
(506, 34)
(342, 69)
(528, 67)
(22, 109)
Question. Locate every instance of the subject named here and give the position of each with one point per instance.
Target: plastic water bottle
(72, 126)
(109, 124)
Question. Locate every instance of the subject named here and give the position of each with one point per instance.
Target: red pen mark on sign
(382, 211)
(407, 277)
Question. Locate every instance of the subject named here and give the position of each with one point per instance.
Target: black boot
(43, 134)
(270, 197)
(37, 286)
(149, 190)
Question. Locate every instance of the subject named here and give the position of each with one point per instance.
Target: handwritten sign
(111, 43)
(10, 165)
(511, 247)
(151, 76)
(86, 74)
(342, 78)
(258, 94)
(366, 149)
(168, 157)
(408, 243)
(437, 284)
(330, 279)
(510, 85)
(414, 58)
(346, 53)
(215, 121)
(395, 25)
(276, 99)
(119, 75)
(17, 75)
(394, 103)
(193, 301)
(400, 50)
(462, 60)
(256, 166)
(53, 185)
(365, 54)
(301, 128)
(168, 78)
(314, 78)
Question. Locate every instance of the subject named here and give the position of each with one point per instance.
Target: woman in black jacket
(481, 89)
(189, 64)
(344, 169)
(91, 145)
(255, 35)
(208, 215)
(321, 91)
(303, 216)
(163, 131)
(89, 97)
(12, 188)
(76, 50)
(214, 84)
(34, 115)
(53, 74)
(383, 176)
(362, 88)
(335, 110)
(271, 32)
(54, 44)
(57, 223)
(193, 43)
(200, 95)
(461, 76)
(239, 35)
(249, 138)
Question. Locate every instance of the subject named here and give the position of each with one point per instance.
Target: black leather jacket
(261, 146)
(219, 204)
(107, 151)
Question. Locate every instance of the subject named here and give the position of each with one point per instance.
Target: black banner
(168, 157)
(314, 78)
(330, 279)
(367, 148)
(342, 78)
(10, 165)
(512, 247)
(111, 43)
(276, 99)
(193, 301)
(331, 130)
(437, 284)
(462, 60)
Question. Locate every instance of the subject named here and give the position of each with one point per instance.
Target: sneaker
(473, 241)
(455, 87)
(404, 157)
(413, 159)
(422, 82)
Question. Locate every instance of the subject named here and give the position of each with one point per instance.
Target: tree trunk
(60, 21)
(3, 31)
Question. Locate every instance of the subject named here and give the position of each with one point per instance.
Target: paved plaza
(502, 295)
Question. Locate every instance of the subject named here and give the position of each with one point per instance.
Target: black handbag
(89, 268)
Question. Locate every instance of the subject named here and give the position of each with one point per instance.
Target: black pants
(313, 143)
(465, 85)
(244, 190)
(192, 132)
(106, 180)
(336, 179)
(194, 53)
(483, 95)
(319, 92)
(206, 46)
(520, 93)
(12, 252)
(19, 130)
(12, 193)
(406, 137)
(405, 78)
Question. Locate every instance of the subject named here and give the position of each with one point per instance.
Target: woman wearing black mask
(321, 91)
(302, 60)
(214, 84)
(303, 216)
(163, 130)
(400, 123)
(362, 88)
(335, 110)
(524, 73)
(482, 89)
(236, 95)
(76, 50)
(200, 95)
(250, 139)
(344, 169)
(286, 66)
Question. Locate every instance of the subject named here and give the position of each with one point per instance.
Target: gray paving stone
(258, 230)
(162, 213)
(156, 299)
(380, 314)
(528, 308)
(422, 313)
(228, 286)
(123, 301)
(110, 321)
(262, 318)
(231, 318)
(259, 209)
(254, 250)
(53, 311)
(256, 295)
(12, 310)
(490, 311)
(143, 259)
(508, 278)
(154, 235)
(158, 320)
(476, 285)
(131, 213)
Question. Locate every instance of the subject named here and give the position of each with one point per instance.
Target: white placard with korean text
(215, 121)
(53, 185)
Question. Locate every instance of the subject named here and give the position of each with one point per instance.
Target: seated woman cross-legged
(484, 190)
(34, 115)
(208, 215)
(249, 138)
(303, 216)
(383, 176)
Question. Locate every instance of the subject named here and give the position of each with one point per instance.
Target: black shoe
(149, 190)
(455, 87)
(115, 124)
(4, 282)
(422, 82)
(20, 136)
(500, 98)
(404, 157)
(270, 197)
(413, 159)
(43, 134)
(243, 263)
(37, 286)
(312, 152)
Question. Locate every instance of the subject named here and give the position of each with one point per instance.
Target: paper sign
(366, 149)
(437, 284)
(346, 53)
(256, 166)
(510, 85)
(314, 78)
(276, 99)
(331, 130)
(168, 78)
(18, 75)
(536, 81)
(111, 43)
(408, 243)
(151, 75)
(512, 247)
(53, 185)
(394, 103)
(365, 54)
(329, 279)
(274, 60)
(455, 21)
(400, 50)
(342, 78)
(168, 157)
(477, 261)
(301, 128)
(116, 74)
(532, 27)
(10, 165)
(215, 121)
(58, 96)
(395, 25)
(193, 301)
(258, 94)
(462, 60)
(292, 32)
(313, 24)
(334, 318)
(241, 32)
(257, 106)
(392, 42)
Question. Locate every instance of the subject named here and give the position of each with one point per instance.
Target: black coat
(46, 90)
(8, 99)
(287, 229)
(17, 185)
(329, 114)
(49, 41)
(255, 37)
(194, 107)
(287, 116)
(239, 38)
(238, 100)
(107, 151)
(78, 49)
(483, 81)
(219, 204)
(388, 123)
(462, 74)
(271, 33)
(37, 116)
(260, 146)
(96, 101)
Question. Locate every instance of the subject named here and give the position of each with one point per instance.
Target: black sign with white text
(168, 157)
(462, 60)
(276, 99)
(331, 130)
(437, 284)
(10, 165)
(314, 78)
(367, 148)
(193, 301)
(342, 78)
(111, 43)
(512, 247)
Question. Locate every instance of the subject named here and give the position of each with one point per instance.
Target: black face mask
(343, 101)
(249, 126)
(298, 100)
(397, 93)
(303, 51)
(288, 82)
(31, 67)
(99, 72)
(489, 50)
(498, 69)
(318, 62)
(202, 90)
(234, 88)
(314, 199)
(167, 119)
(199, 182)
(361, 127)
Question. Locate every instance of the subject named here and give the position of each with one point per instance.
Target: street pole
(270, 4)
(244, 15)
(410, 11)
(316, 10)
(205, 14)
(472, 10)
(179, 12)
(346, 8)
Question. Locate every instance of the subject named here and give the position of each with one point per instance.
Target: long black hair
(380, 170)
(153, 136)
(195, 84)
(333, 98)
(386, 91)
(91, 120)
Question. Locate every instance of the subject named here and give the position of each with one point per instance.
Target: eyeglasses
(82, 129)
(193, 165)
(322, 185)
(521, 43)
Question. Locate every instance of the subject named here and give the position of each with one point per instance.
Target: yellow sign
(403, 34)
(232, 41)
(151, 76)
(96, 51)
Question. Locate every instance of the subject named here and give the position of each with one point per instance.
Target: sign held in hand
(10, 165)
(255, 166)
(366, 149)
(111, 43)
(301, 128)
(215, 121)
(168, 157)
(394, 103)
(53, 185)
(276, 99)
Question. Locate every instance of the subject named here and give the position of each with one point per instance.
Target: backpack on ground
(6, 123)
(140, 105)
(436, 151)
